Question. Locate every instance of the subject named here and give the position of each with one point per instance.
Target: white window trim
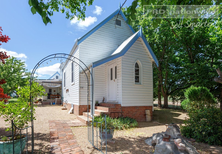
(118, 25)
(73, 65)
(140, 72)
(64, 80)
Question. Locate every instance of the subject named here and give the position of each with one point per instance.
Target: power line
(120, 9)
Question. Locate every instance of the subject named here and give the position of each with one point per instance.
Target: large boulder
(155, 139)
(175, 145)
(173, 130)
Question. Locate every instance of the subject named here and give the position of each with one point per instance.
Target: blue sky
(31, 40)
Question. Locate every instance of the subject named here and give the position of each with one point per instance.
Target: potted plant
(103, 129)
(97, 103)
(20, 113)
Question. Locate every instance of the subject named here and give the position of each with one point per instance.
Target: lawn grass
(167, 116)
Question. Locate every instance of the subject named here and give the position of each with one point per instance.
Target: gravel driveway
(41, 125)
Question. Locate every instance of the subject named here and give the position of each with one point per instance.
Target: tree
(24, 92)
(185, 54)
(14, 73)
(19, 111)
(218, 79)
(78, 7)
(70, 7)
(131, 11)
(3, 56)
(4, 39)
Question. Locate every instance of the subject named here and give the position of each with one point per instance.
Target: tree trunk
(159, 95)
(221, 99)
(165, 101)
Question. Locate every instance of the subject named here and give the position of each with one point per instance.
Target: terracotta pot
(166, 138)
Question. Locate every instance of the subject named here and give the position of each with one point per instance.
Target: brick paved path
(61, 137)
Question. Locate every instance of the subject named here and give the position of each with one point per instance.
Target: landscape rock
(173, 130)
(175, 145)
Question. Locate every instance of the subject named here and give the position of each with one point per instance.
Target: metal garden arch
(81, 65)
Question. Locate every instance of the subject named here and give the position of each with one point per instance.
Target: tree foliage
(132, 10)
(36, 90)
(3, 38)
(14, 73)
(20, 111)
(204, 123)
(188, 55)
(198, 98)
(3, 56)
(204, 126)
(70, 7)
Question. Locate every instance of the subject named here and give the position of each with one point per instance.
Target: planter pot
(102, 134)
(6, 147)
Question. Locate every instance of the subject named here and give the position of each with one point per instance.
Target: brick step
(83, 119)
(89, 113)
(103, 108)
(108, 104)
(99, 112)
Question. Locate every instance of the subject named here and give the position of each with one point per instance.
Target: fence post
(12, 135)
(106, 133)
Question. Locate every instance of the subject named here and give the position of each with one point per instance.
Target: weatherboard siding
(104, 41)
(101, 80)
(133, 94)
(100, 86)
(83, 88)
(71, 90)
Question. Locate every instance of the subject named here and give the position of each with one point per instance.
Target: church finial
(120, 6)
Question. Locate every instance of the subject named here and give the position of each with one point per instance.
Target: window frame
(140, 73)
(72, 72)
(64, 79)
(119, 21)
(115, 70)
(111, 74)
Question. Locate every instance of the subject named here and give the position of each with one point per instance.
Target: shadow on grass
(167, 116)
(164, 116)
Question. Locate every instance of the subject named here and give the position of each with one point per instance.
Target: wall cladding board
(142, 94)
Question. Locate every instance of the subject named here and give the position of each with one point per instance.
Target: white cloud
(82, 24)
(21, 56)
(47, 70)
(98, 10)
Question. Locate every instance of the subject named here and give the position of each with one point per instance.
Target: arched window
(138, 72)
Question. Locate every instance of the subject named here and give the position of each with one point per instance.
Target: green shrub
(204, 125)
(198, 98)
(205, 119)
(184, 104)
(116, 123)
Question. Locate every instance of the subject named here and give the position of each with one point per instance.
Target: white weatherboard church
(122, 64)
